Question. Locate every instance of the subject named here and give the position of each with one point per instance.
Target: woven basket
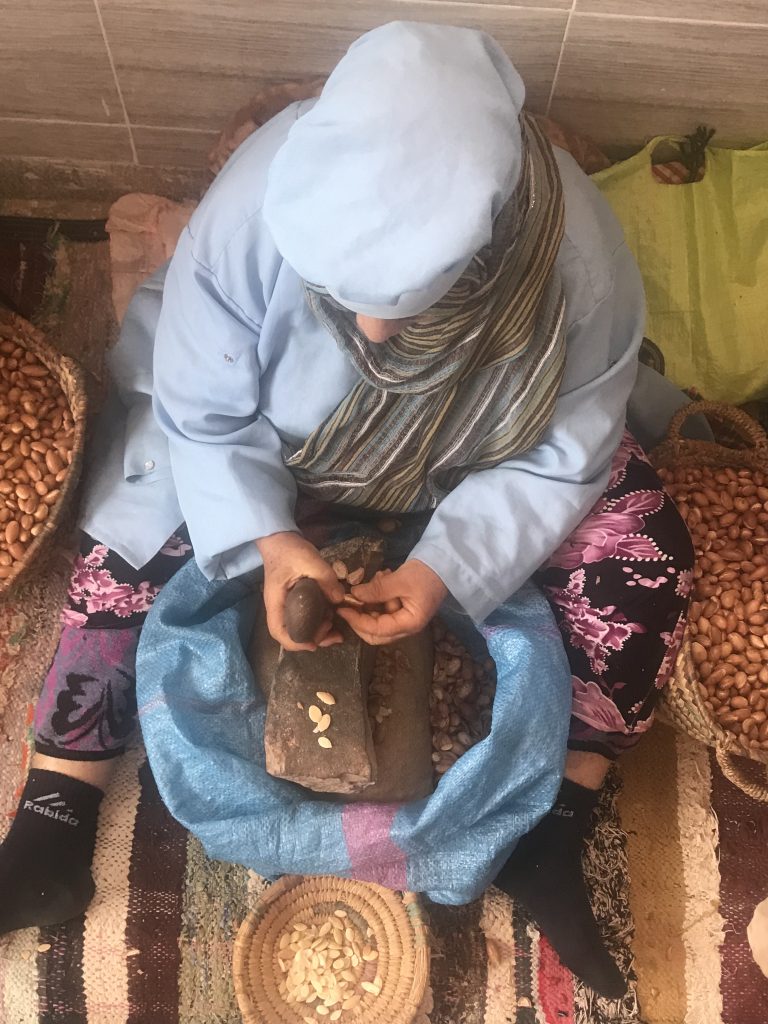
(741, 444)
(71, 381)
(399, 936)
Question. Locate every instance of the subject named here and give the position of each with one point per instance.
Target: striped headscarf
(471, 383)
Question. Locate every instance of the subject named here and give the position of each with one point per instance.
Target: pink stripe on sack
(372, 853)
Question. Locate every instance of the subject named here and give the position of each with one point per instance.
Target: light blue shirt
(241, 366)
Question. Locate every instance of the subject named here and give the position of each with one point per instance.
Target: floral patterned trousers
(618, 587)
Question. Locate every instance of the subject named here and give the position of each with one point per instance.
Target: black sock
(45, 860)
(545, 875)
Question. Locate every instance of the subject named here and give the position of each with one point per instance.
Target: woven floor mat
(155, 946)
(698, 858)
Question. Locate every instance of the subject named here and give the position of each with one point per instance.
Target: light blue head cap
(387, 187)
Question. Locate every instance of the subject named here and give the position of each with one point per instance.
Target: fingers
(327, 636)
(275, 599)
(288, 559)
(330, 586)
(282, 637)
(323, 630)
(384, 629)
(333, 638)
(396, 608)
(383, 587)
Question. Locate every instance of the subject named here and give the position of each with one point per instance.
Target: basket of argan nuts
(42, 428)
(718, 692)
(320, 949)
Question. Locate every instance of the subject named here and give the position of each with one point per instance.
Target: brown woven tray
(741, 444)
(70, 378)
(399, 936)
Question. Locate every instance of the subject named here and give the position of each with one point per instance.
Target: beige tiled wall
(151, 81)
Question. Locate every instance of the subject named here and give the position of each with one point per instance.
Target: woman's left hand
(410, 596)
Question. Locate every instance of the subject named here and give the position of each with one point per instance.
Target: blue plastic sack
(202, 717)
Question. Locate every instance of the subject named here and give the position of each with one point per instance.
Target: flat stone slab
(292, 747)
(383, 762)
(292, 684)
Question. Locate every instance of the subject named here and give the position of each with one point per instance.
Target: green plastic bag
(703, 253)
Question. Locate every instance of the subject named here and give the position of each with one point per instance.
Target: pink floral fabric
(97, 590)
(597, 709)
(596, 631)
(614, 529)
(619, 588)
(87, 708)
(104, 590)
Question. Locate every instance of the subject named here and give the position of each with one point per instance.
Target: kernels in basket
(323, 977)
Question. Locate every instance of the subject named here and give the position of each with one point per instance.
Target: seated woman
(399, 298)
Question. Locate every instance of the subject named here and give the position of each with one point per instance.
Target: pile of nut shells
(380, 692)
(461, 701)
(461, 696)
(726, 511)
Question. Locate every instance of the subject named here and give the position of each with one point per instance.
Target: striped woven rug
(155, 947)
(698, 860)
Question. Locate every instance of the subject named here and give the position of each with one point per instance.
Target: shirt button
(228, 358)
(149, 465)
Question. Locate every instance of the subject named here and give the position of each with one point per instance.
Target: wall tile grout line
(60, 120)
(664, 20)
(117, 82)
(560, 56)
(5, 119)
(179, 128)
(492, 6)
(616, 16)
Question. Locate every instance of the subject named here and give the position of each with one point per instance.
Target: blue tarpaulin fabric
(202, 715)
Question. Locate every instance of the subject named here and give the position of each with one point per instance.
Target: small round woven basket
(740, 443)
(399, 934)
(71, 380)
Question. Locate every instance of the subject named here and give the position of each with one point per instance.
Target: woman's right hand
(287, 558)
